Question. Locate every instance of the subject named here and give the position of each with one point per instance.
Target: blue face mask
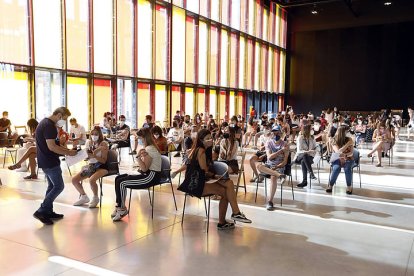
(276, 137)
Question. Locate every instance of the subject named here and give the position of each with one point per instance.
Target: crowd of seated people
(204, 140)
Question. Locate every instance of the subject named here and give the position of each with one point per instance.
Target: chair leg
(281, 194)
(291, 185)
(153, 193)
(149, 195)
(359, 172)
(257, 188)
(182, 218)
(238, 183)
(129, 205)
(11, 155)
(205, 206)
(172, 190)
(208, 214)
(101, 195)
(265, 187)
(244, 182)
(4, 159)
(70, 173)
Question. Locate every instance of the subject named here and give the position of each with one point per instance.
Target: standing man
(48, 151)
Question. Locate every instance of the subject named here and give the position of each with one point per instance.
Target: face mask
(359, 122)
(60, 123)
(311, 132)
(316, 127)
(198, 120)
(226, 135)
(187, 121)
(212, 124)
(156, 136)
(335, 125)
(94, 138)
(121, 123)
(231, 125)
(276, 137)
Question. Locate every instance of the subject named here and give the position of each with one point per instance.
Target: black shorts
(260, 154)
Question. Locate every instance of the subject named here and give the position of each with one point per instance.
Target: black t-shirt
(125, 126)
(46, 130)
(4, 123)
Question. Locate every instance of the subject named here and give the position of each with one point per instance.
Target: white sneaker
(82, 200)
(94, 202)
(120, 213)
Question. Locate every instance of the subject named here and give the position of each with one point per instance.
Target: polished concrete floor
(368, 233)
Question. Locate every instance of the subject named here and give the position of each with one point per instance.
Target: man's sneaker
(313, 177)
(43, 218)
(269, 206)
(253, 180)
(120, 213)
(114, 212)
(133, 152)
(301, 185)
(225, 226)
(54, 215)
(94, 202)
(240, 217)
(82, 200)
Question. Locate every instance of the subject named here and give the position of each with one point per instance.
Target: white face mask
(121, 123)
(316, 127)
(94, 138)
(60, 123)
(156, 136)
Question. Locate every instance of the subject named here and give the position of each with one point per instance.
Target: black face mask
(187, 121)
(226, 135)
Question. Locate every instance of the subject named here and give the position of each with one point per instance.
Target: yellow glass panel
(190, 50)
(144, 103)
(47, 25)
(213, 104)
(239, 103)
(232, 104)
(224, 57)
(282, 72)
(269, 70)
(213, 55)
(144, 39)
(242, 61)
(178, 51)
(201, 101)
(14, 34)
(78, 100)
(257, 66)
(263, 65)
(103, 35)
(17, 83)
(161, 103)
(222, 105)
(189, 101)
(249, 64)
(101, 99)
(175, 99)
(77, 34)
(202, 53)
(251, 21)
(233, 60)
(125, 48)
(161, 46)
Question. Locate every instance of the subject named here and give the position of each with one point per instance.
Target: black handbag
(194, 180)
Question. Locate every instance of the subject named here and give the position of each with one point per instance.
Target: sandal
(30, 177)
(14, 167)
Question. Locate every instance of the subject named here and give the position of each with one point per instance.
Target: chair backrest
(4, 141)
(112, 162)
(356, 156)
(221, 169)
(165, 166)
(21, 129)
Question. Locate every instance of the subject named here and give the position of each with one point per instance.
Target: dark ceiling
(333, 14)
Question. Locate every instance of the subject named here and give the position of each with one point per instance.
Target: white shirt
(156, 158)
(79, 132)
(175, 135)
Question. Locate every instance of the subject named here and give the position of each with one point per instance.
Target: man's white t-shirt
(175, 135)
(79, 132)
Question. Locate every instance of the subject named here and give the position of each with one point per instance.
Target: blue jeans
(54, 188)
(336, 169)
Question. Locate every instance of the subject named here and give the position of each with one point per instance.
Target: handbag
(194, 180)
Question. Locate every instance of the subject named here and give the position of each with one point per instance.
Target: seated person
(5, 126)
(260, 155)
(200, 159)
(63, 136)
(306, 151)
(160, 140)
(147, 124)
(186, 125)
(122, 134)
(234, 123)
(383, 139)
(360, 131)
(277, 152)
(212, 127)
(250, 132)
(149, 162)
(285, 128)
(77, 133)
(228, 150)
(344, 147)
(174, 138)
(331, 134)
(106, 123)
(28, 151)
(318, 132)
(97, 149)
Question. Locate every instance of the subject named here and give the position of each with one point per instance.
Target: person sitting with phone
(77, 133)
(97, 149)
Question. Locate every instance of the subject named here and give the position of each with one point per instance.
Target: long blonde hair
(340, 136)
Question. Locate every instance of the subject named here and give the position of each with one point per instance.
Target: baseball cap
(276, 128)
